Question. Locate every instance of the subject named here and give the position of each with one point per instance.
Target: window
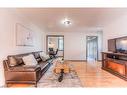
(60, 43)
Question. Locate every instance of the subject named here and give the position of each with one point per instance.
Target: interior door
(92, 48)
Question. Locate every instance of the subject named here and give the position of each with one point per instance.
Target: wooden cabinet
(112, 45)
(114, 64)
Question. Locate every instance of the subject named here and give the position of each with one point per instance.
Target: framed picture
(24, 35)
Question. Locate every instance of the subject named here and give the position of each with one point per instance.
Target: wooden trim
(55, 35)
(106, 61)
(115, 73)
(118, 37)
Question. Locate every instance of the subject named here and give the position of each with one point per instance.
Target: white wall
(75, 43)
(8, 19)
(114, 29)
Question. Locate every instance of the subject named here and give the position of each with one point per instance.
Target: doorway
(55, 42)
(91, 48)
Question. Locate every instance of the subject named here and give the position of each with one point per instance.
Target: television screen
(121, 45)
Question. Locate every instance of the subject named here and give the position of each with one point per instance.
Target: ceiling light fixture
(66, 22)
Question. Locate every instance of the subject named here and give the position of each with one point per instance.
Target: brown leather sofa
(23, 73)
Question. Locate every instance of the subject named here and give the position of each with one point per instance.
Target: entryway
(55, 44)
(92, 48)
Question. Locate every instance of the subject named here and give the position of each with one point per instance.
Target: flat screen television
(121, 45)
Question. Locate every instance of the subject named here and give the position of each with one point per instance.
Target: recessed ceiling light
(66, 22)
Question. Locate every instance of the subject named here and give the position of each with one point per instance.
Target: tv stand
(113, 63)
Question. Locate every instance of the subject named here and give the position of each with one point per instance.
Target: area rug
(50, 79)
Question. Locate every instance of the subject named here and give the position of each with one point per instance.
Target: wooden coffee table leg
(61, 75)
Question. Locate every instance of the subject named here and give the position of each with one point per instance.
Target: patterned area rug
(50, 79)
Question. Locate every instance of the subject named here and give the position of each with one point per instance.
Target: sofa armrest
(24, 68)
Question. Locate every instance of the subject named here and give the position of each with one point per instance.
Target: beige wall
(114, 29)
(8, 19)
(75, 43)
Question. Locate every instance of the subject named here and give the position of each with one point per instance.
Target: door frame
(87, 48)
(54, 36)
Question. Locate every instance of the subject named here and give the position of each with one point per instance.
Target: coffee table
(61, 68)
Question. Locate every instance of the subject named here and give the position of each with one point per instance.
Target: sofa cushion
(44, 56)
(38, 60)
(19, 60)
(13, 61)
(29, 60)
(36, 55)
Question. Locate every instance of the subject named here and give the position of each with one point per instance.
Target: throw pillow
(12, 61)
(44, 56)
(19, 60)
(29, 60)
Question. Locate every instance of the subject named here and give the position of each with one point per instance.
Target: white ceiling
(81, 18)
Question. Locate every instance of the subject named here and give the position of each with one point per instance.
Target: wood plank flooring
(91, 75)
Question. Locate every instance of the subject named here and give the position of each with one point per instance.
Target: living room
(74, 25)
(39, 20)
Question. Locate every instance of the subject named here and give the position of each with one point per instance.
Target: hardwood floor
(91, 75)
